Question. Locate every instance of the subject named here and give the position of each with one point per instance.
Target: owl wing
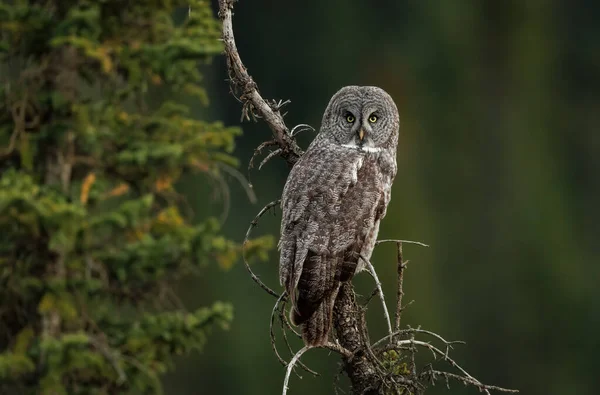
(332, 200)
(388, 168)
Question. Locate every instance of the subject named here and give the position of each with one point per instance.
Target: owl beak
(361, 134)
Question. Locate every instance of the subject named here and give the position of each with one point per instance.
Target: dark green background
(498, 170)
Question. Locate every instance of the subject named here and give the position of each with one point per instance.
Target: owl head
(362, 117)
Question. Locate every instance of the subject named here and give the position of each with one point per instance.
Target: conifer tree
(92, 229)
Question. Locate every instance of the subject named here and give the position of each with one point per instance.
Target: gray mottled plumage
(333, 201)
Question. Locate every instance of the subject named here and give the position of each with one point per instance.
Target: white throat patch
(363, 148)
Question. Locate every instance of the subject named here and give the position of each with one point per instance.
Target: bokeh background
(499, 163)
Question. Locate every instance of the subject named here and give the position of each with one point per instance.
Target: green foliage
(394, 365)
(93, 229)
(392, 362)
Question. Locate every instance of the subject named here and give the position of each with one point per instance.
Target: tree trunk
(359, 368)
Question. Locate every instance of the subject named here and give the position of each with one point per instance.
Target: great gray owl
(333, 200)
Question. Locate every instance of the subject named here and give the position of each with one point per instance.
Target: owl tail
(316, 327)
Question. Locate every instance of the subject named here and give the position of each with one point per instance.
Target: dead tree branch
(253, 104)
(290, 367)
(380, 292)
(280, 307)
(401, 265)
(253, 224)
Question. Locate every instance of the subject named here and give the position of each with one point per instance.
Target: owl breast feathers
(333, 201)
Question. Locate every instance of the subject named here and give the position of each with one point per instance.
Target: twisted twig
(253, 224)
(280, 307)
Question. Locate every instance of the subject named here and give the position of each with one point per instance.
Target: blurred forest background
(498, 171)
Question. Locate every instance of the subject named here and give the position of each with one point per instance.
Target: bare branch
(381, 296)
(418, 330)
(445, 357)
(225, 195)
(253, 224)
(296, 359)
(258, 151)
(269, 157)
(296, 130)
(272, 332)
(465, 380)
(291, 366)
(285, 320)
(280, 306)
(253, 102)
(400, 292)
(243, 182)
(401, 241)
(337, 348)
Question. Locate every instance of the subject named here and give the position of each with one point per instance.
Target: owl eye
(373, 118)
(350, 118)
